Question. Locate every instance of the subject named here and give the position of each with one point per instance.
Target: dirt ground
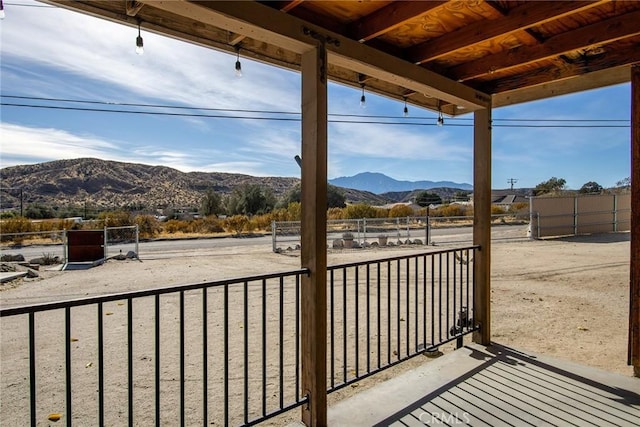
(566, 298)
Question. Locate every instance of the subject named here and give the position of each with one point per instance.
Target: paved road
(167, 247)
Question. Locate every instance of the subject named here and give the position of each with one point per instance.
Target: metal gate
(85, 245)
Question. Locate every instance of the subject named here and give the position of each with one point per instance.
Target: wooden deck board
(496, 385)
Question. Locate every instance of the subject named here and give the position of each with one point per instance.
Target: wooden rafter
(133, 7)
(389, 17)
(592, 35)
(618, 57)
(287, 6)
(520, 18)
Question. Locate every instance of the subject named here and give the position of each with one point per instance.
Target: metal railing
(386, 311)
(226, 351)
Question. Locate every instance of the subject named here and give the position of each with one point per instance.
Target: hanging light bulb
(440, 121)
(238, 64)
(405, 112)
(363, 100)
(1, 9)
(139, 42)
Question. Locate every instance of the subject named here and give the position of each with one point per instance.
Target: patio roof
(453, 56)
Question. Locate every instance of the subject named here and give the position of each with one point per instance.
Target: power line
(297, 119)
(181, 107)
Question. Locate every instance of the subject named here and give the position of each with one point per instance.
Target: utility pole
(512, 181)
(21, 197)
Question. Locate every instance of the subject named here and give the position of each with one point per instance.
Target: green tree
(552, 185)
(38, 211)
(335, 197)
(425, 198)
(624, 183)
(591, 187)
(250, 199)
(211, 203)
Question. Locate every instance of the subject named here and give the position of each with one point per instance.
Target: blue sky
(53, 53)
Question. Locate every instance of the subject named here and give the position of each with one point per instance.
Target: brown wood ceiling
(514, 51)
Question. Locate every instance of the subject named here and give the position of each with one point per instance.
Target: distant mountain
(106, 184)
(378, 183)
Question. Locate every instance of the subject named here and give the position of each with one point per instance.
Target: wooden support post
(482, 224)
(634, 284)
(314, 235)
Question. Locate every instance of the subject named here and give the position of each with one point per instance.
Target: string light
(405, 112)
(440, 121)
(238, 64)
(139, 42)
(363, 100)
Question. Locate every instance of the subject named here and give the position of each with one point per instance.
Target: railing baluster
(67, 335)
(182, 372)
(455, 295)
(32, 369)
(297, 333)
(245, 328)
(407, 320)
(433, 300)
(368, 282)
(415, 304)
(440, 297)
(226, 353)
(344, 325)
(332, 317)
(447, 299)
(205, 359)
(130, 356)
(388, 312)
(264, 347)
(281, 342)
(100, 365)
(157, 355)
(357, 323)
(398, 333)
(378, 308)
(424, 301)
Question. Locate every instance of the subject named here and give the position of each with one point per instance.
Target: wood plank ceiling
(514, 51)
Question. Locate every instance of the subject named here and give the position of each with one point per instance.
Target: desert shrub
(449, 211)
(520, 207)
(16, 225)
(335, 213)
(359, 210)
(497, 210)
(173, 226)
(210, 224)
(236, 223)
(261, 222)
(148, 225)
(115, 219)
(54, 225)
(400, 211)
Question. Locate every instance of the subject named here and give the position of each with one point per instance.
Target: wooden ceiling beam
(520, 18)
(389, 17)
(603, 32)
(268, 25)
(594, 80)
(287, 6)
(585, 65)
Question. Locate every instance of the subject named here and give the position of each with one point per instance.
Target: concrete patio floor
(495, 386)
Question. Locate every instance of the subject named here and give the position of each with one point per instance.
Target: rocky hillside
(107, 184)
(111, 184)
